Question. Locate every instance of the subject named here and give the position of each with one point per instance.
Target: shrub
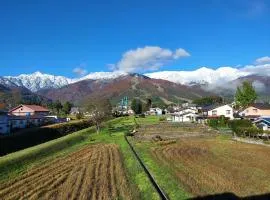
(219, 122)
(33, 136)
(162, 118)
(79, 115)
(235, 124)
(248, 131)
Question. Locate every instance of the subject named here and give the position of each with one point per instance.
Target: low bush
(235, 124)
(219, 122)
(248, 131)
(33, 136)
(162, 119)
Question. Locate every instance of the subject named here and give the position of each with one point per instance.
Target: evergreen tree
(245, 95)
(67, 107)
(136, 106)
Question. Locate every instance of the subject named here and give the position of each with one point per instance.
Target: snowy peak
(38, 81)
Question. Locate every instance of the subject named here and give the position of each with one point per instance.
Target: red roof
(35, 108)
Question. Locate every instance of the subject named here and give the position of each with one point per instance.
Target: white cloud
(147, 58)
(262, 60)
(80, 71)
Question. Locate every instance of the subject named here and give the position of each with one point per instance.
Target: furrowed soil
(94, 172)
(206, 166)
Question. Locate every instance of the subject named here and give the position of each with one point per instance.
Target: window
(255, 110)
(228, 112)
(214, 112)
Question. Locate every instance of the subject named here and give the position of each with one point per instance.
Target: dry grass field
(94, 172)
(173, 130)
(213, 165)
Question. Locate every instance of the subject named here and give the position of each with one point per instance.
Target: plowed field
(95, 172)
(210, 166)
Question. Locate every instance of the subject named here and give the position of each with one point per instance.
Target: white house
(155, 111)
(4, 123)
(225, 110)
(184, 117)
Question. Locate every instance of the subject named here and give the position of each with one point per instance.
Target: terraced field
(94, 172)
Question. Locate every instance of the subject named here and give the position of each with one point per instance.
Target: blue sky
(57, 36)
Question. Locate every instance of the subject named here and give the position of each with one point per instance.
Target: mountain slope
(11, 95)
(132, 85)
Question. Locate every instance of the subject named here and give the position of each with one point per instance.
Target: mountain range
(165, 86)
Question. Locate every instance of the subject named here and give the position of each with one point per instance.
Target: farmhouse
(256, 110)
(214, 111)
(184, 117)
(28, 110)
(155, 111)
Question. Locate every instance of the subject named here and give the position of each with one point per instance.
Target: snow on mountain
(103, 75)
(38, 81)
(206, 76)
(200, 76)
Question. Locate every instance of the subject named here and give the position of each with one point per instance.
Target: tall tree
(136, 106)
(67, 107)
(98, 110)
(58, 106)
(245, 95)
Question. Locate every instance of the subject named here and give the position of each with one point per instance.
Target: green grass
(164, 175)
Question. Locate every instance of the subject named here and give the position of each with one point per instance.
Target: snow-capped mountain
(204, 76)
(37, 81)
(102, 75)
(200, 76)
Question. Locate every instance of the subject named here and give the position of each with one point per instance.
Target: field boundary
(150, 176)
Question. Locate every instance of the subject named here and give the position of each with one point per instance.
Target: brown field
(95, 172)
(209, 166)
(173, 130)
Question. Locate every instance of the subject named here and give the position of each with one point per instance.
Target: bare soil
(95, 172)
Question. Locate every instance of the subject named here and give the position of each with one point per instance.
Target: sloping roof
(265, 120)
(212, 107)
(262, 106)
(35, 108)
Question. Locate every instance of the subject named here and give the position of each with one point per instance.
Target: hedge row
(34, 136)
(248, 132)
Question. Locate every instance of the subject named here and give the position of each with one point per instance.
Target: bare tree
(98, 110)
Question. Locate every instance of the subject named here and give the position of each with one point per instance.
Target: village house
(184, 117)
(256, 110)
(155, 111)
(186, 114)
(215, 111)
(263, 123)
(28, 110)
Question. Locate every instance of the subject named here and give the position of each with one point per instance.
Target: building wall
(251, 111)
(184, 118)
(4, 124)
(225, 110)
(22, 111)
